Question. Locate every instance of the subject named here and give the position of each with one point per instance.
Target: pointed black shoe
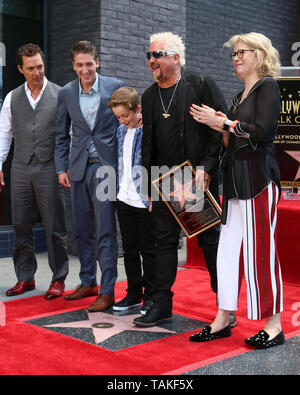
(153, 317)
(205, 335)
(260, 340)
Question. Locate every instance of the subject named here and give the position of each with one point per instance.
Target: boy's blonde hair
(267, 56)
(125, 96)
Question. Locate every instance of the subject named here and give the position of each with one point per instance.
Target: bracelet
(226, 125)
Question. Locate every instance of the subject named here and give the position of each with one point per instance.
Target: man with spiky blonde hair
(173, 43)
(171, 136)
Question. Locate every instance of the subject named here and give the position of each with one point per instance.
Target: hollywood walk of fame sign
(193, 208)
(287, 141)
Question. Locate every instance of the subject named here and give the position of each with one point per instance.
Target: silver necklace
(166, 110)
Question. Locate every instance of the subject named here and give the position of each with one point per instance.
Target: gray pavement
(280, 361)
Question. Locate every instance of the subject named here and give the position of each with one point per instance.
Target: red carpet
(28, 349)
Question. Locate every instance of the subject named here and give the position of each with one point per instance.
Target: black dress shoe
(153, 317)
(260, 340)
(205, 335)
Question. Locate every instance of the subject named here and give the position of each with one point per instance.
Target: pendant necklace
(166, 110)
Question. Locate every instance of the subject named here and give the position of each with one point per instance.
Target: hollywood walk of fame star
(108, 325)
(295, 155)
(182, 192)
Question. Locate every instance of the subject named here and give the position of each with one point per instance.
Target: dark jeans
(166, 231)
(138, 241)
(95, 232)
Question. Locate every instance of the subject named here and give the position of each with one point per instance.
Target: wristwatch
(226, 125)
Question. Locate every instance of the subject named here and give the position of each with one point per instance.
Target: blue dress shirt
(89, 104)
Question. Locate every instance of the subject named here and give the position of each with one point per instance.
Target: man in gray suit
(28, 115)
(82, 104)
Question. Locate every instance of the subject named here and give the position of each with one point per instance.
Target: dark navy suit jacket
(103, 133)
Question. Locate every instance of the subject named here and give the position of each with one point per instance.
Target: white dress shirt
(5, 120)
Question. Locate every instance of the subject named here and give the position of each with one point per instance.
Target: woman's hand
(208, 116)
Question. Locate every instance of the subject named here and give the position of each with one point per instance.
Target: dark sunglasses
(159, 54)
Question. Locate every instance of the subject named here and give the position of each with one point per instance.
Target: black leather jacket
(200, 144)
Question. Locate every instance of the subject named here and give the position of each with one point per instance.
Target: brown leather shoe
(82, 292)
(56, 289)
(21, 287)
(102, 302)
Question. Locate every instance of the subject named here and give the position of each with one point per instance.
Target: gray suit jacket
(103, 134)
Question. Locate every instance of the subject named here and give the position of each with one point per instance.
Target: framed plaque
(193, 208)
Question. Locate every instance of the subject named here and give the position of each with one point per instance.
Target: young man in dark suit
(83, 103)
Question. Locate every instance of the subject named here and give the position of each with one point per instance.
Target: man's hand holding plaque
(202, 179)
(187, 196)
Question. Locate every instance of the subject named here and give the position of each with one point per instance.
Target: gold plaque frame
(194, 209)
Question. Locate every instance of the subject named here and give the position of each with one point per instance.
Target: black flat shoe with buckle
(260, 340)
(205, 335)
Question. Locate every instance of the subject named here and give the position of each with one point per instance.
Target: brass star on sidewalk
(106, 325)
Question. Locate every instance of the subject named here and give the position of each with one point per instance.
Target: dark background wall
(121, 30)
(211, 23)
(21, 22)
(125, 27)
(68, 22)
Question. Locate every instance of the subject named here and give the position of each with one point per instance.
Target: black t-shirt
(166, 135)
